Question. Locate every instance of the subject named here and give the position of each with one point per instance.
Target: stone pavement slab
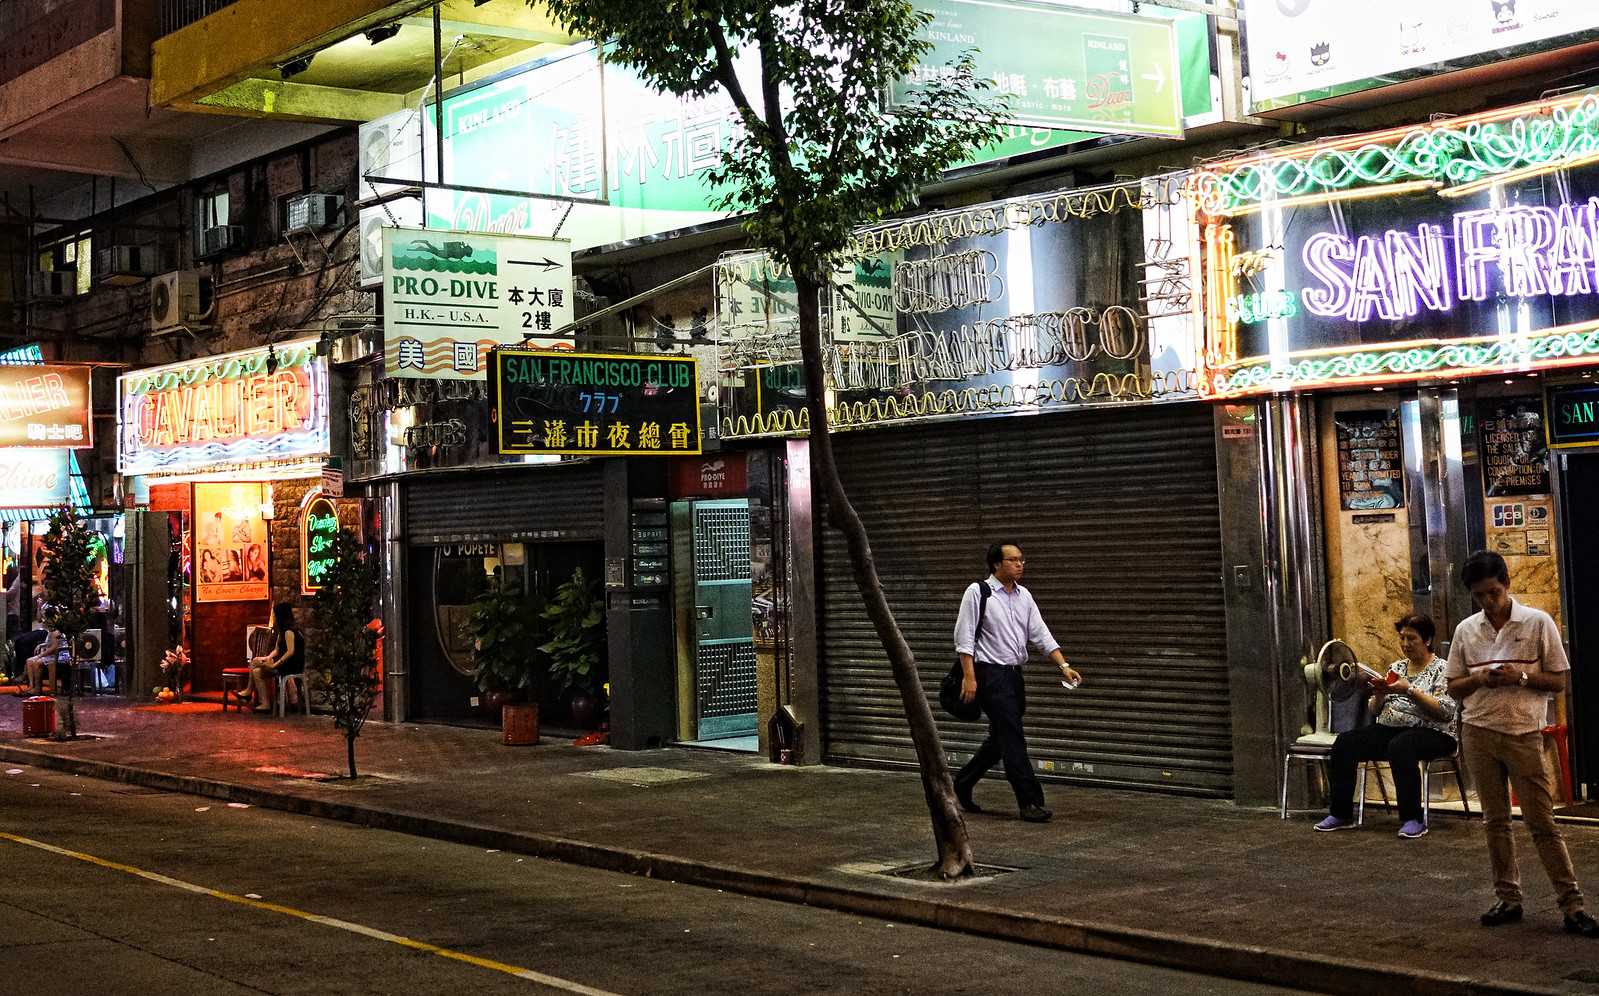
(1147, 865)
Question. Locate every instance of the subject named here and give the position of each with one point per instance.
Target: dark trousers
(1403, 747)
(1003, 696)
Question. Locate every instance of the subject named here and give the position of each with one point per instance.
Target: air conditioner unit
(53, 283)
(221, 239)
(175, 300)
(122, 266)
(310, 211)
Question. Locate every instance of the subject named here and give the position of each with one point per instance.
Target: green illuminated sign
(1060, 67)
(1572, 415)
(319, 527)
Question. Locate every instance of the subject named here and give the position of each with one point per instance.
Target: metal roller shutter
(550, 502)
(1119, 516)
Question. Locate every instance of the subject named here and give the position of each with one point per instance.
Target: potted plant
(575, 618)
(503, 626)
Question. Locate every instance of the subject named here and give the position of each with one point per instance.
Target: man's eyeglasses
(1016, 560)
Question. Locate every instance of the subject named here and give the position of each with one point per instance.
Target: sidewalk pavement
(1201, 884)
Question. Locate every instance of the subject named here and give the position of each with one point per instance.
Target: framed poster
(1514, 450)
(1370, 467)
(230, 543)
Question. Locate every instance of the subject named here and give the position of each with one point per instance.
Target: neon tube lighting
(1355, 194)
(1526, 173)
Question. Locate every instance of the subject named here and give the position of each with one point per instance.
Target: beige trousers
(1497, 758)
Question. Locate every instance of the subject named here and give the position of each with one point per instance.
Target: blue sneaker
(1331, 823)
(1413, 829)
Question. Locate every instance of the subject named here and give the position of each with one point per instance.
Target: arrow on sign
(1158, 77)
(544, 264)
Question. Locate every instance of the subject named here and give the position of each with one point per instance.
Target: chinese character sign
(450, 297)
(45, 406)
(595, 404)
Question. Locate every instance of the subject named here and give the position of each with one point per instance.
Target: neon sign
(1520, 252)
(1254, 308)
(221, 411)
(319, 527)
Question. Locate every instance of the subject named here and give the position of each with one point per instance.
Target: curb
(1271, 966)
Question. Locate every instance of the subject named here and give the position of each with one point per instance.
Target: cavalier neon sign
(1524, 251)
(226, 410)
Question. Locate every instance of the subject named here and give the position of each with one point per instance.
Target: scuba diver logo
(450, 257)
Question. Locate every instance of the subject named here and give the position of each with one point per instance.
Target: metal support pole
(438, 91)
(396, 665)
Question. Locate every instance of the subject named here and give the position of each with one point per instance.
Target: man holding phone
(1504, 663)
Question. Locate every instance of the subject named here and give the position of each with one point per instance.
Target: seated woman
(46, 660)
(287, 657)
(1415, 723)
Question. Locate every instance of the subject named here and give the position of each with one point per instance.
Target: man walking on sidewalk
(1504, 664)
(991, 662)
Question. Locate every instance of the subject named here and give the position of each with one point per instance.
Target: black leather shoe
(1581, 923)
(964, 797)
(1501, 913)
(1036, 814)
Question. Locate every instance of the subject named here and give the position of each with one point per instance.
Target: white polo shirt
(1530, 641)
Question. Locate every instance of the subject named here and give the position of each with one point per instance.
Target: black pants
(1003, 696)
(1403, 747)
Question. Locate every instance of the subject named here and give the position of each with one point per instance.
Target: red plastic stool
(38, 716)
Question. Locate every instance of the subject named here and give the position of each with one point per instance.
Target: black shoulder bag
(949, 691)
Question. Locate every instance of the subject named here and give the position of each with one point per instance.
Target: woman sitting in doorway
(287, 657)
(1415, 723)
(46, 661)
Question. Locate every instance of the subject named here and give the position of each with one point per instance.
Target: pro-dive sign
(450, 297)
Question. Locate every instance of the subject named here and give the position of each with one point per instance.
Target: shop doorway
(718, 677)
(445, 579)
(1579, 487)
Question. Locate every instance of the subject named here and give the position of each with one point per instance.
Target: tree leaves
(817, 155)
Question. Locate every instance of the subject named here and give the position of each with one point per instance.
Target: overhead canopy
(233, 61)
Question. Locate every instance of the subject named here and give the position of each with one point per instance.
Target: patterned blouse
(1402, 710)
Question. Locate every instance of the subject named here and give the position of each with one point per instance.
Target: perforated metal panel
(1119, 516)
(725, 653)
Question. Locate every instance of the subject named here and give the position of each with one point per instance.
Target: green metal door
(724, 662)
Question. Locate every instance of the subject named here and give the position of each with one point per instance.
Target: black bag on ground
(949, 690)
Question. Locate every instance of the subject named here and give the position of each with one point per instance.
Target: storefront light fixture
(295, 67)
(382, 32)
(1525, 173)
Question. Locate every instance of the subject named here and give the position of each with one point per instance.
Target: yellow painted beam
(287, 100)
(247, 37)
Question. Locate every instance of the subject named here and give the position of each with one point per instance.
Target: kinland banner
(450, 297)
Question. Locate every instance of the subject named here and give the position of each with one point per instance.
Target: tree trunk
(949, 825)
(349, 744)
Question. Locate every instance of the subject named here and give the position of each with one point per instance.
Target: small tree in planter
(576, 648)
(505, 634)
(70, 595)
(346, 648)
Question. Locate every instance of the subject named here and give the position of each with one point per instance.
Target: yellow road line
(552, 981)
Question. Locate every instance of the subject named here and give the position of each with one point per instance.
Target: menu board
(1370, 467)
(1514, 452)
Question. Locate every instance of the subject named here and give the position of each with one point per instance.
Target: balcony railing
(177, 14)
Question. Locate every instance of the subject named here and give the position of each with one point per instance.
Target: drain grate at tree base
(923, 872)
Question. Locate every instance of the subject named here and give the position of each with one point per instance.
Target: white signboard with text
(1304, 50)
(450, 297)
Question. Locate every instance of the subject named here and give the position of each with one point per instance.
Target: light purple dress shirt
(1010, 623)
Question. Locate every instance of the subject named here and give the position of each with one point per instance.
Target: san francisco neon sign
(1524, 251)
